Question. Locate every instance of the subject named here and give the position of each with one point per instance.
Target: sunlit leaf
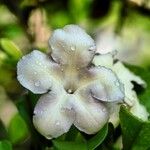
(10, 48)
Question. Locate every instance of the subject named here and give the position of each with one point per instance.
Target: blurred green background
(27, 24)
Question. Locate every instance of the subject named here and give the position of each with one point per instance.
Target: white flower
(126, 77)
(75, 92)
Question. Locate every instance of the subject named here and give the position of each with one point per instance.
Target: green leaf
(5, 145)
(135, 132)
(144, 96)
(80, 9)
(71, 140)
(69, 145)
(74, 135)
(18, 130)
(98, 138)
(77, 142)
(10, 48)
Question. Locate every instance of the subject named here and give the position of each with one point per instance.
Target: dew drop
(69, 91)
(104, 110)
(72, 48)
(92, 48)
(38, 112)
(37, 83)
(62, 69)
(117, 83)
(39, 63)
(35, 73)
(57, 123)
(23, 57)
(52, 47)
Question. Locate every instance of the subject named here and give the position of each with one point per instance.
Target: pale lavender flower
(75, 92)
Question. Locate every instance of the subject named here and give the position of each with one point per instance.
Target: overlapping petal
(90, 115)
(77, 92)
(53, 115)
(72, 46)
(102, 84)
(131, 99)
(126, 77)
(37, 72)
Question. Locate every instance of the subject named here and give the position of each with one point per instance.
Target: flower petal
(114, 113)
(71, 45)
(139, 110)
(131, 99)
(103, 85)
(126, 77)
(36, 72)
(90, 115)
(105, 60)
(52, 115)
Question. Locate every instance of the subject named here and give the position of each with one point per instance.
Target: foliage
(135, 132)
(20, 33)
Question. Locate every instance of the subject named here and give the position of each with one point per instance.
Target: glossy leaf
(98, 138)
(135, 132)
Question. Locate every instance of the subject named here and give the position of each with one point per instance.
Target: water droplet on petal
(62, 69)
(52, 47)
(92, 48)
(69, 91)
(104, 110)
(38, 112)
(117, 83)
(57, 123)
(35, 73)
(23, 57)
(37, 83)
(73, 48)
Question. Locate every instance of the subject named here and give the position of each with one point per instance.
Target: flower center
(70, 91)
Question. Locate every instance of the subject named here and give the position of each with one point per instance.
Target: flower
(126, 77)
(75, 92)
